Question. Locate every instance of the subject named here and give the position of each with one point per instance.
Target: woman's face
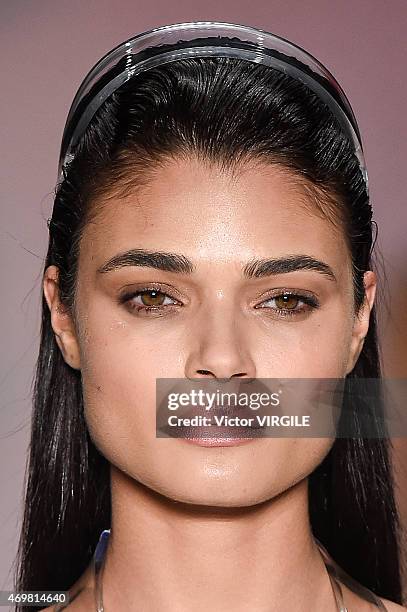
(213, 322)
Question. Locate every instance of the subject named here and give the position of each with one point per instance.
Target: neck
(257, 558)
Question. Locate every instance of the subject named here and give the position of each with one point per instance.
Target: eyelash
(309, 301)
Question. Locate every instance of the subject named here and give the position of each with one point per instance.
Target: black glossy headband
(203, 39)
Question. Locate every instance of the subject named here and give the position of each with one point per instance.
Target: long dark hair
(223, 110)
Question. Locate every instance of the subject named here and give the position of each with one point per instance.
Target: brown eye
(152, 298)
(286, 301)
(148, 300)
(290, 304)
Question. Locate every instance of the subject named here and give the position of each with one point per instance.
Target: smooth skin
(197, 528)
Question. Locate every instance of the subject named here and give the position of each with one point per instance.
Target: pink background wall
(47, 46)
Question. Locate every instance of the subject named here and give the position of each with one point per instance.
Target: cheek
(118, 385)
(120, 362)
(313, 348)
(322, 353)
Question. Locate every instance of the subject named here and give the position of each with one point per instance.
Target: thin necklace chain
(99, 558)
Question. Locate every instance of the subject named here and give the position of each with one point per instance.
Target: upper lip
(230, 411)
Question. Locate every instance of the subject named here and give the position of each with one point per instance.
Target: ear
(361, 323)
(61, 319)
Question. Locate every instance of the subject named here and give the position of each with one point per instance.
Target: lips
(233, 403)
(230, 410)
(218, 433)
(245, 424)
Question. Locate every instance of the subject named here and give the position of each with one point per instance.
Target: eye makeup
(157, 299)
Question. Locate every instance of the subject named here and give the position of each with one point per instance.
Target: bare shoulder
(391, 606)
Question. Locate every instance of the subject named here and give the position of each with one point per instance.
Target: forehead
(205, 212)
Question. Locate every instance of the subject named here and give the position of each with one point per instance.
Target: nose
(220, 349)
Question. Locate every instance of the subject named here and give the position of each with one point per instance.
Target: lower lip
(218, 441)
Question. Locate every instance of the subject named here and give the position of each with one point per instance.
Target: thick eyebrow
(175, 262)
(291, 263)
(169, 262)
